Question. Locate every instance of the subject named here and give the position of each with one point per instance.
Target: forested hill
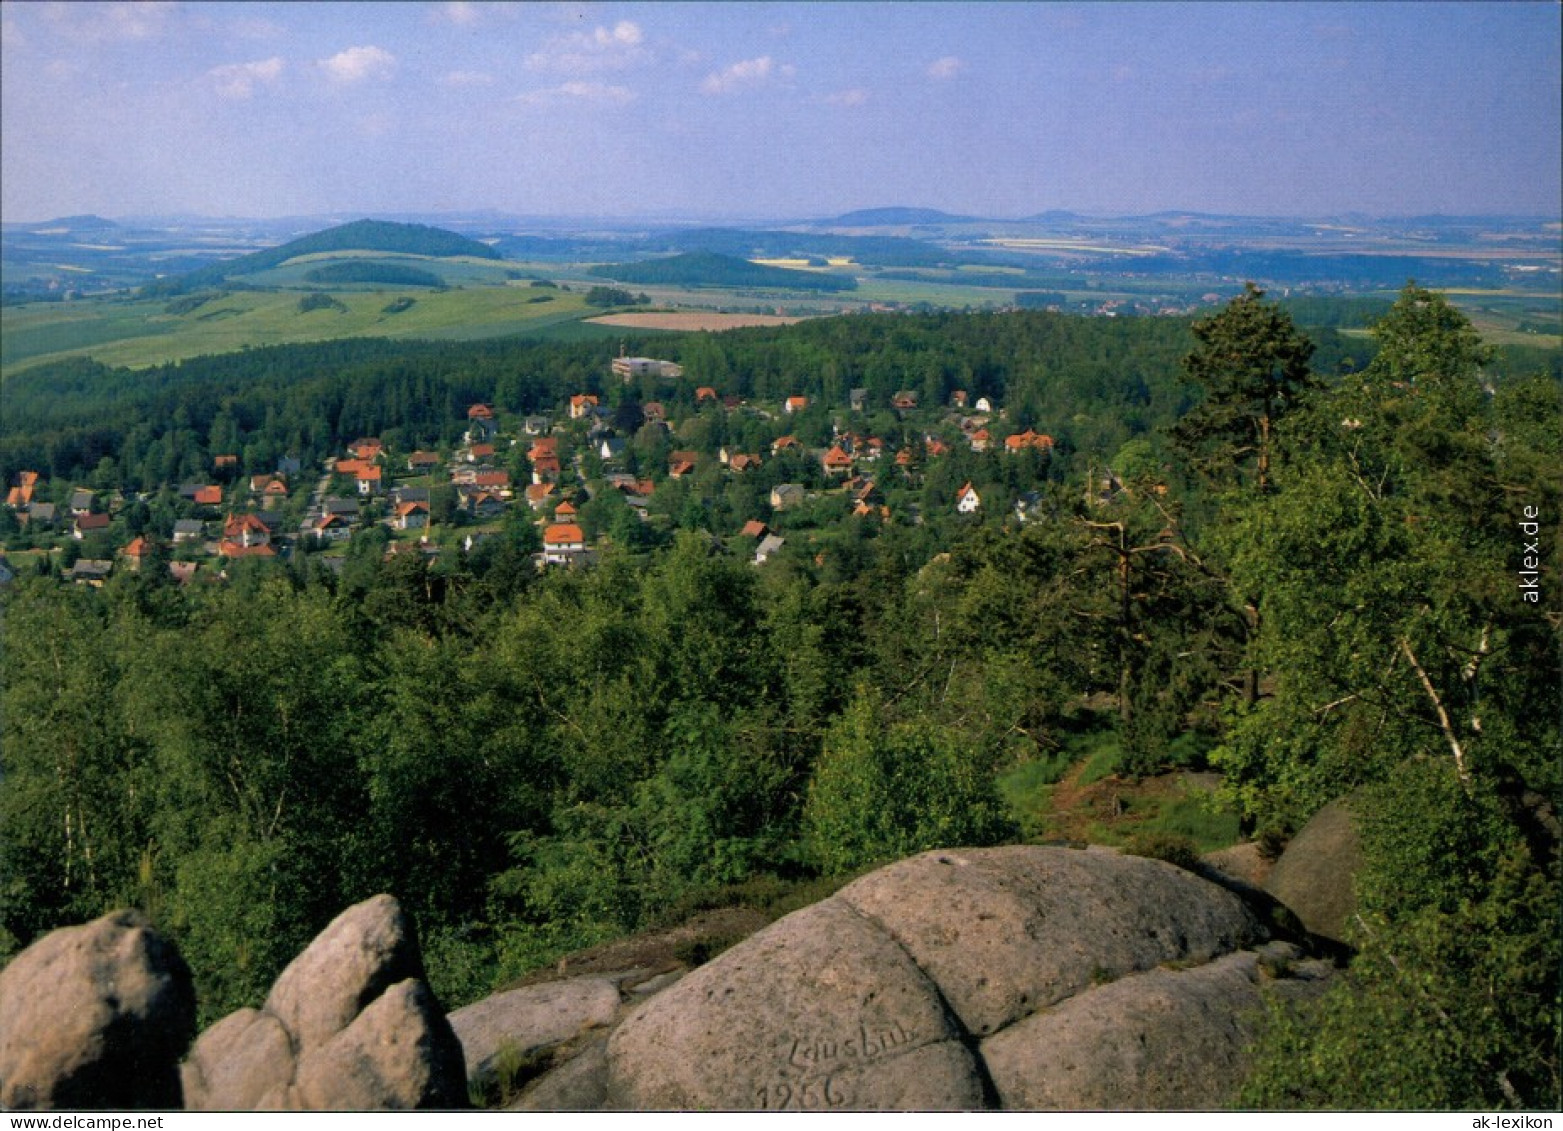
(360, 235)
(708, 269)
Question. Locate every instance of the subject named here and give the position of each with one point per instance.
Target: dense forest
(1315, 573)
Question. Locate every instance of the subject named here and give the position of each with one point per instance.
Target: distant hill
(897, 217)
(708, 269)
(88, 223)
(360, 235)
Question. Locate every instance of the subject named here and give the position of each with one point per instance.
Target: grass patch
(1197, 818)
(1102, 752)
(1027, 790)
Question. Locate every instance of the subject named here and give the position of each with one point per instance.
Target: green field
(136, 333)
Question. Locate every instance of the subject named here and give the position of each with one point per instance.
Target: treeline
(369, 271)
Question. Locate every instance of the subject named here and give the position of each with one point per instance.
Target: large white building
(629, 368)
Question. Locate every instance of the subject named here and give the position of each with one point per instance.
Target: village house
(768, 548)
(654, 412)
(741, 462)
(188, 530)
(785, 495)
(86, 525)
(329, 528)
(39, 516)
(857, 399)
(537, 495)
(967, 500)
(422, 462)
(582, 405)
(1028, 441)
(22, 489)
(563, 543)
(704, 393)
(366, 448)
(784, 443)
(243, 532)
(795, 405)
(536, 425)
(225, 463)
(836, 461)
(682, 463)
(81, 502)
(136, 552)
(91, 572)
(481, 425)
(411, 516)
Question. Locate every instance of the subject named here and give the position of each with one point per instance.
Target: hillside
(708, 269)
(360, 235)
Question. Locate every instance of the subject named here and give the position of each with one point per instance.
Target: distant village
(543, 469)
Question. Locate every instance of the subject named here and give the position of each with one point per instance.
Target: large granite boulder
(349, 1025)
(94, 1017)
(1315, 876)
(518, 1024)
(1022, 977)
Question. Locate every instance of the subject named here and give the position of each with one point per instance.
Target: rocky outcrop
(94, 1017)
(349, 1025)
(1022, 978)
(502, 1032)
(1315, 877)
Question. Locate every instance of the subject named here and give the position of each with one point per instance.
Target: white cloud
(238, 80)
(578, 92)
(601, 49)
(946, 68)
(359, 63)
(856, 96)
(747, 74)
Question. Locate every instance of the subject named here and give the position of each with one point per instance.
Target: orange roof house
(1027, 440)
(796, 404)
(705, 393)
(480, 412)
(209, 496)
(581, 405)
(836, 461)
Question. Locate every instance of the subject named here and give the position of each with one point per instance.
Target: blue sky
(773, 110)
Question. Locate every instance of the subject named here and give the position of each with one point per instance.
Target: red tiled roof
(209, 496)
(562, 534)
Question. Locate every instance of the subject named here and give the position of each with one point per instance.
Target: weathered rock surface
(1316, 873)
(813, 1012)
(1005, 933)
(1161, 1040)
(93, 1017)
(350, 1024)
(518, 1023)
(1022, 977)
